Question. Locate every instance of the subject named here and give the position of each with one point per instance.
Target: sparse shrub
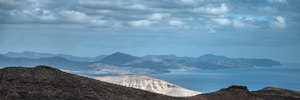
(109, 89)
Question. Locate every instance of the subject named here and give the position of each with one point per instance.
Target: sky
(233, 28)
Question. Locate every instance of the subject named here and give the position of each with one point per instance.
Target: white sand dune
(149, 84)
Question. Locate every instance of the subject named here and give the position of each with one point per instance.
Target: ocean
(286, 76)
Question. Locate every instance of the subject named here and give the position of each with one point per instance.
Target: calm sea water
(285, 76)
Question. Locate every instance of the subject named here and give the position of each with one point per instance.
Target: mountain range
(44, 82)
(125, 64)
(36, 55)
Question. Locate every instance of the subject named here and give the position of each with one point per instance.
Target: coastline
(283, 76)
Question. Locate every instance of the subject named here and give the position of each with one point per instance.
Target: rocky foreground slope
(242, 93)
(149, 84)
(42, 82)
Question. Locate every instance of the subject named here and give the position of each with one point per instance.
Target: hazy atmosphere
(233, 28)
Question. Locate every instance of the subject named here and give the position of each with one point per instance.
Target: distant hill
(162, 56)
(211, 57)
(149, 84)
(237, 62)
(63, 63)
(8, 61)
(57, 62)
(118, 58)
(42, 82)
(271, 93)
(29, 54)
(259, 62)
(36, 55)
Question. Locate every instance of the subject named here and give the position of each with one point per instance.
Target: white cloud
(94, 3)
(75, 16)
(158, 16)
(212, 30)
(279, 22)
(191, 2)
(250, 19)
(238, 23)
(137, 7)
(113, 4)
(104, 11)
(175, 22)
(276, 1)
(142, 23)
(79, 17)
(211, 10)
(34, 15)
(222, 21)
(280, 19)
(98, 22)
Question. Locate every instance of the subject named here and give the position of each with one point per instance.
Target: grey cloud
(135, 13)
(11, 4)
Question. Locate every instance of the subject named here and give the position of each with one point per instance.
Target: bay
(285, 76)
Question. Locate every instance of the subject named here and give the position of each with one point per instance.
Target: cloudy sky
(233, 28)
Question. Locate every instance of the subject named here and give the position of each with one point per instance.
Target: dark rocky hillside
(231, 93)
(44, 82)
(242, 93)
(272, 93)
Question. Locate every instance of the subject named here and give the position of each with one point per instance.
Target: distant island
(125, 64)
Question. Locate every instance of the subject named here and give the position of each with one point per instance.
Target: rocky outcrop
(271, 93)
(242, 93)
(230, 93)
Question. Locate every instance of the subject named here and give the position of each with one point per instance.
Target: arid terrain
(149, 84)
(43, 82)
